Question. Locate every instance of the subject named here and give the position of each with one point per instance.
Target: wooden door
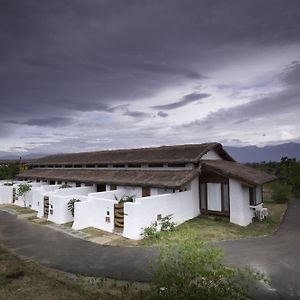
(46, 206)
(145, 192)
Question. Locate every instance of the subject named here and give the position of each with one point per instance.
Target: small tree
(23, 189)
(71, 206)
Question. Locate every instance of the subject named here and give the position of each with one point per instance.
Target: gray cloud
(65, 59)
(185, 100)
(136, 114)
(45, 122)
(162, 114)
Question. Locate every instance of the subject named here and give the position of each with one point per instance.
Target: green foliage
(288, 172)
(9, 172)
(125, 198)
(71, 205)
(164, 224)
(23, 189)
(280, 192)
(191, 270)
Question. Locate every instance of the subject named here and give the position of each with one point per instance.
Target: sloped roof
(238, 171)
(190, 153)
(152, 178)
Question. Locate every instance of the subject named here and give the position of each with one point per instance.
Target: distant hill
(267, 153)
(5, 155)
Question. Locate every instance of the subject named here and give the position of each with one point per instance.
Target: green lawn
(211, 229)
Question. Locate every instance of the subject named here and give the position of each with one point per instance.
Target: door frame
(222, 181)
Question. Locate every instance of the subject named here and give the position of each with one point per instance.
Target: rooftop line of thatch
(190, 153)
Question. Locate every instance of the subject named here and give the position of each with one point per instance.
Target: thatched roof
(238, 171)
(168, 178)
(190, 153)
(152, 178)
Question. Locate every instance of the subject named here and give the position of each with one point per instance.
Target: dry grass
(94, 232)
(24, 279)
(18, 209)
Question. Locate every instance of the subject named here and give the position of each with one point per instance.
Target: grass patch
(210, 229)
(24, 279)
(94, 232)
(18, 209)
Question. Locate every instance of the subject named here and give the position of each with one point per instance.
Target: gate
(14, 194)
(119, 216)
(46, 206)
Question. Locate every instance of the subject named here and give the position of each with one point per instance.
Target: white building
(184, 180)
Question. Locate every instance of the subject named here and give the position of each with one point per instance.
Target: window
(90, 166)
(101, 188)
(102, 166)
(88, 184)
(113, 187)
(58, 182)
(77, 166)
(52, 182)
(68, 166)
(176, 165)
(78, 184)
(156, 165)
(225, 197)
(255, 196)
(134, 165)
(58, 166)
(118, 166)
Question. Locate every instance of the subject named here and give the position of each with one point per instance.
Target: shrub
(165, 224)
(191, 270)
(71, 205)
(280, 192)
(151, 232)
(65, 186)
(125, 198)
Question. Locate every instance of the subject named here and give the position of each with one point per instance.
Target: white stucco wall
(140, 214)
(6, 194)
(240, 211)
(59, 199)
(212, 154)
(93, 213)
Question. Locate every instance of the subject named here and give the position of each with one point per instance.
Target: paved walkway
(277, 255)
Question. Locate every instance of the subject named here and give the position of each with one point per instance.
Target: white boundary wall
(6, 194)
(140, 214)
(59, 199)
(240, 211)
(93, 211)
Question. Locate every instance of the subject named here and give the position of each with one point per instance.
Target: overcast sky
(81, 75)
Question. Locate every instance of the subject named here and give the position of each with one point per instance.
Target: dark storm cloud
(162, 114)
(93, 54)
(185, 100)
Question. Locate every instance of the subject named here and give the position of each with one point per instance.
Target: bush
(280, 192)
(164, 224)
(191, 270)
(125, 198)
